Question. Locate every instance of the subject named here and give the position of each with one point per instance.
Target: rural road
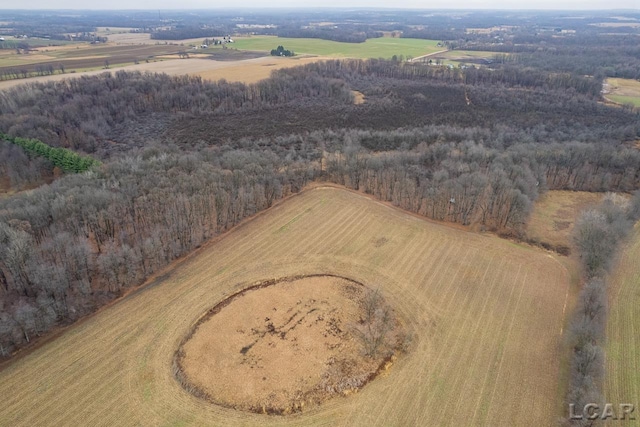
(428, 55)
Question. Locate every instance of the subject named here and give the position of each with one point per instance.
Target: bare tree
(376, 323)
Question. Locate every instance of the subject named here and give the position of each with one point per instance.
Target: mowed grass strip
(383, 47)
(622, 373)
(485, 315)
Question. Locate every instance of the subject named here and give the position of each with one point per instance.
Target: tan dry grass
(260, 69)
(358, 97)
(229, 70)
(555, 213)
(485, 314)
(247, 71)
(132, 38)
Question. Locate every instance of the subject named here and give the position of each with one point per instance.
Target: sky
(404, 4)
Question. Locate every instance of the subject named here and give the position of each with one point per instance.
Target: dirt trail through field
(420, 58)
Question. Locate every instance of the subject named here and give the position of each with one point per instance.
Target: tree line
(183, 32)
(598, 234)
(281, 51)
(67, 248)
(65, 159)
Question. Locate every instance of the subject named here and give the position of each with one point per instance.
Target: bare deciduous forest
(471, 147)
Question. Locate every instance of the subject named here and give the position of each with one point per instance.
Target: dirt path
(418, 58)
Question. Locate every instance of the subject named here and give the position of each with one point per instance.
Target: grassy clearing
(622, 372)
(623, 91)
(622, 99)
(458, 57)
(485, 315)
(106, 31)
(383, 47)
(554, 214)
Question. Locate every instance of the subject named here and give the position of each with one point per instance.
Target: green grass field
(384, 47)
(624, 91)
(12, 43)
(622, 99)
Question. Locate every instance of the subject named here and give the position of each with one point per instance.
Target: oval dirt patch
(282, 345)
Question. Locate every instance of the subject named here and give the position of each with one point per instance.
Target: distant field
(81, 57)
(252, 72)
(623, 91)
(107, 31)
(623, 99)
(384, 47)
(622, 372)
(131, 38)
(616, 24)
(86, 57)
(456, 57)
(554, 214)
(485, 316)
(246, 71)
(11, 42)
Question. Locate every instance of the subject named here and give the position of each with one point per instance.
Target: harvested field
(622, 371)
(484, 314)
(86, 57)
(131, 38)
(554, 214)
(247, 71)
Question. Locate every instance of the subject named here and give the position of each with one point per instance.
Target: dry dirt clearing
(622, 372)
(485, 315)
(247, 71)
(281, 346)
